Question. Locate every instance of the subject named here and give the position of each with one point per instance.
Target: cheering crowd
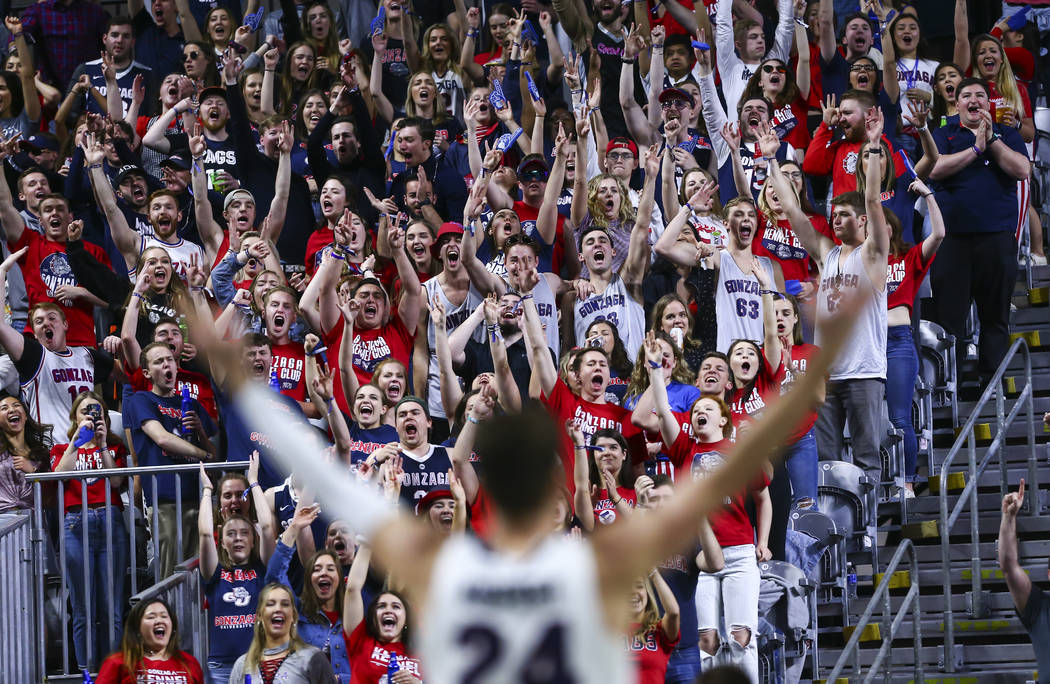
(410, 218)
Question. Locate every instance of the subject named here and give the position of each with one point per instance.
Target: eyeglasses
(674, 104)
(793, 175)
(862, 67)
(620, 156)
(192, 54)
(770, 68)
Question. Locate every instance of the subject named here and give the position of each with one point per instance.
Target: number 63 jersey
(531, 619)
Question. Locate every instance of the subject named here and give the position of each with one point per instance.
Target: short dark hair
(677, 39)
(119, 20)
(851, 17)
(425, 128)
(854, 200)
(866, 99)
(523, 240)
(342, 120)
(519, 463)
(255, 339)
(662, 480)
(28, 172)
(967, 82)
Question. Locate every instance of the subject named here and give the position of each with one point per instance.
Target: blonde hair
(1005, 81)
(651, 612)
(763, 203)
(626, 212)
(295, 642)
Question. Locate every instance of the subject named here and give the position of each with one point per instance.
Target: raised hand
(12, 259)
(253, 466)
(634, 44)
(873, 123)
(270, 59)
(437, 312)
(572, 427)
(652, 161)
(919, 188)
(732, 135)
(109, 72)
(830, 112)
(323, 383)
(195, 275)
(920, 113)
(1013, 501)
(491, 309)
(653, 353)
(138, 90)
(196, 142)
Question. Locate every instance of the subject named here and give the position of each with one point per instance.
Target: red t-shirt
(778, 241)
(392, 340)
(527, 215)
(801, 355)
(333, 339)
(151, 671)
(766, 390)
(289, 361)
(318, 240)
(90, 459)
(793, 115)
(199, 384)
(836, 157)
(484, 58)
(563, 405)
(649, 653)
(903, 276)
(731, 525)
(604, 509)
(369, 657)
(45, 268)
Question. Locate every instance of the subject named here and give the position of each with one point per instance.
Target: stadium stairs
(992, 647)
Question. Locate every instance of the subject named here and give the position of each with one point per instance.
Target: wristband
(330, 403)
(248, 491)
(654, 364)
(617, 503)
(526, 296)
(658, 46)
(196, 288)
(768, 292)
(472, 419)
(136, 294)
(206, 491)
(95, 166)
(628, 60)
(689, 207)
(336, 255)
(976, 150)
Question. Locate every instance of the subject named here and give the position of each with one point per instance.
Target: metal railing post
(39, 537)
(968, 497)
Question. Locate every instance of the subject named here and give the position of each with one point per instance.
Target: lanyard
(911, 76)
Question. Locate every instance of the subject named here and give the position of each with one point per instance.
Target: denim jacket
(316, 630)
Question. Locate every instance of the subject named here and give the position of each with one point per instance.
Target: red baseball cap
(622, 144)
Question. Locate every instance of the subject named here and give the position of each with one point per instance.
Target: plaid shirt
(68, 35)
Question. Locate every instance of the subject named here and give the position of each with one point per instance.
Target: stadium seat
(938, 367)
(846, 495)
(788, 618)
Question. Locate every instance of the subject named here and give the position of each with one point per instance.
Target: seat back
(844, 494)
(937, 361)
(823, 529)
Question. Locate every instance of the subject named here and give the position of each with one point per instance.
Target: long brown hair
(37, 436)
(1005, 81)
(74, 427)
(658, 313)
(253, 556)
(295, 642)
(131, 643)
(790, 92)
(310, 603)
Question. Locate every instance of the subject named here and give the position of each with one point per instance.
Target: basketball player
(51, 373)
(526, 605)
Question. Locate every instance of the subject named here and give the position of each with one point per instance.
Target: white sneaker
(1038, 260)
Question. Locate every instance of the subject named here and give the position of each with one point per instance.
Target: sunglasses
(674, 104)
(533, 175)
(192, 54)
(620, 156)
(862, 67)
(769, 68)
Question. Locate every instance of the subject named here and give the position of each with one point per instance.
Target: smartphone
(95, 411)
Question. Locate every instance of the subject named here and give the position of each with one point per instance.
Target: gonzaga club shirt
(649, 652)
(288, 361)
(369, 657)
(90, 458)
(731, 525)
(392, 340)
(232, 596)
(903, 276)
(563, 405)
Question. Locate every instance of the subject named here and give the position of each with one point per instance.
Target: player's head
(715, 376)
(167, 331)
(158, 365)
(49, 325)
(412, 421)
(711, 418)
(519, 465)
(387, 618)
(848, 218)
(256, 355)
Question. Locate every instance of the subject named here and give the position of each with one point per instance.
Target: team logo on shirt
(367, 355)
(55, 271)
(849, 163)
(706, 463)
(645, 642)
(239, 597)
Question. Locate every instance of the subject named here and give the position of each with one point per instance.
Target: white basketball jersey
(182, 253)
(738, 304)
(494, 618)
(454, 317)
(58, 380)
(616, 306)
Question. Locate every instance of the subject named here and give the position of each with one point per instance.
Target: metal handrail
(17, 659)
(40, 536)
(968, 497)
(890, 622)
(182, 590)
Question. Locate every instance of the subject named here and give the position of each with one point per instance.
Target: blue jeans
(684, 665)
(219, 672)
(96, 561)
(801, 463)
(902, 369)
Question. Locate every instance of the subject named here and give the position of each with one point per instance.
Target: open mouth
(370, 309)
(596, 383)
(159, 632)
(745, 367)
(339, 545)
(411, 430)
(49, 334)
(219, 31)
(324, 585)
(781, 328)
(278, 321)
(169, 376)
(753, 121)
(388, 621)
(366, 410)
(419, 251)
(701, 420)
(258, 367)
(327, 206)
(989, 64)
(446, 519)
(973, 107)
(452, 257)
(863, 80)
(55, 222)
(160, 274)
(314, 118)
(745, 231)
(710, 379)
(774, 80)
(394, 389)
(949, 90)
(213, 115)
(303, 69)
(14, 420)
(277, 619)
(424, 95)
(599, 257)
(173, 91)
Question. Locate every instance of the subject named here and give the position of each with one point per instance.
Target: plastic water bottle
(851, 581)
(187, 406)
(275, 384)
(392, 667)
(87, 677)
(678, 335)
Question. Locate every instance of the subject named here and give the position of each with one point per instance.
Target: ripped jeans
(727, 603)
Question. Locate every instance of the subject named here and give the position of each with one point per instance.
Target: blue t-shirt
(241, 440)
(981, 197)
(125, 81)
(679, 395)
(422, 476)
(363, 442)
(233, 596)
(142, 407)
(680, 573)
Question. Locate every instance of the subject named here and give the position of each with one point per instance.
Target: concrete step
(944, 435)
(925, 531)
(1038, 316)
(1011, 453)
(929, 505)
(930, 604)
(1040, 405)
(1031, 552)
